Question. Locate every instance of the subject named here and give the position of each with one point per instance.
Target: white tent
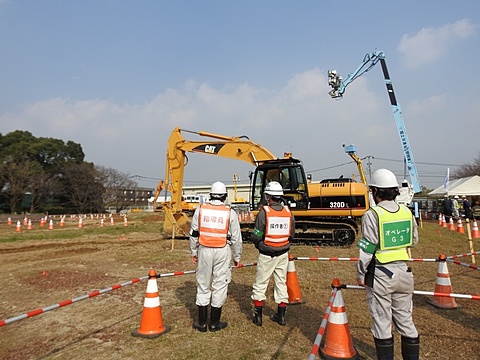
(469, 186)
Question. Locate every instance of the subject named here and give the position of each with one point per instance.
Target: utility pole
(369, 165)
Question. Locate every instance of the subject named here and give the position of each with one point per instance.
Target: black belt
(386, 271)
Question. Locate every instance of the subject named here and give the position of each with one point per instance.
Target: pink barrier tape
(463, 255)
(418, 292)
(323, 325)
(353, 259)
(474, 267)
(71, 301)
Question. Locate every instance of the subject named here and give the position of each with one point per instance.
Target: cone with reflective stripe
(460, 228)
(443, 285)
(338, 342)
(475, 232)
(293, 288)
(50, 225)
(440, 219)
(19, 226)
(125, 221)
(444, 222)
(9, 221)
(451, 225)
(151, 323)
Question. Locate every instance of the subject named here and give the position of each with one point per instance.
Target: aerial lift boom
(338, 88)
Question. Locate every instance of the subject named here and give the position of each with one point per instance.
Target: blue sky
(119, 76)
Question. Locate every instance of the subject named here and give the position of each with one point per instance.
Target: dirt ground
(39, 273)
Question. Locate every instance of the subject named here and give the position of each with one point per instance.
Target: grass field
(42, 267)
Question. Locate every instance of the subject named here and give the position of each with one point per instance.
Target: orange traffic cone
(19, 227)
(50, 225)
(42, 221)
(125, 221)
(25, 221)
(338, 340)
(293, 288)
(460, 228)
(9, 221)
(451, 225)
(80, 222)
(475, 232)
(62, 221)
(440, 217)
(29, 224)
(151, 324)
(112, 222)
(443, 285)
(101, 222)
(444, 221)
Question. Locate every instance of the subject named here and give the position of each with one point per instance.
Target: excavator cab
(290, 174)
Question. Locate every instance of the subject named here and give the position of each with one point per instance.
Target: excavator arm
(232, 147)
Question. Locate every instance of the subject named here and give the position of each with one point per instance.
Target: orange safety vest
(277, 226)
(213, 223)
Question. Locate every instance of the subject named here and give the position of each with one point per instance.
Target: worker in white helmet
(388, 229)
(272, 236)
(214, 231)
(456, 207)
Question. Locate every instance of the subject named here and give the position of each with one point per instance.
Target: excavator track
(321, 231)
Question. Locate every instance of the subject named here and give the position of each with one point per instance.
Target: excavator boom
(232, 147)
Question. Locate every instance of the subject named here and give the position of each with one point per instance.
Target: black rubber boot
(215, 323)
(280, 316)
(257, 315)
(384, 348)
(410, 348)
(201, 325)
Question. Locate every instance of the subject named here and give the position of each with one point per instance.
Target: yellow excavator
(326, 212)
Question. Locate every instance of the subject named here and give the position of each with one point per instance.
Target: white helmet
(383, 178)
(274, 188)
(218, 188)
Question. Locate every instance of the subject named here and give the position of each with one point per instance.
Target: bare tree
(467, 170)
(115, 183)
(82, 187)
(16, 177)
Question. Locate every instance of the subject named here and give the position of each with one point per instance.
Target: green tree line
(40, 174)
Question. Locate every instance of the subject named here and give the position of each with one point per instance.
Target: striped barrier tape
(474, 267)
(71, 301)
(353, 259)
(323, 326)
(98, 292)
(463, 255)
(418, 292)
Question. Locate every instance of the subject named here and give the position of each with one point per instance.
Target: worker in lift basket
(214, 230)
(272, 236)
(388, 229)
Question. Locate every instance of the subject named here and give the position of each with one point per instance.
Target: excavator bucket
(176, 224)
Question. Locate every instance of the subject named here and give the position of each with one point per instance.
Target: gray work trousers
(213, 275)
(391, 299)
